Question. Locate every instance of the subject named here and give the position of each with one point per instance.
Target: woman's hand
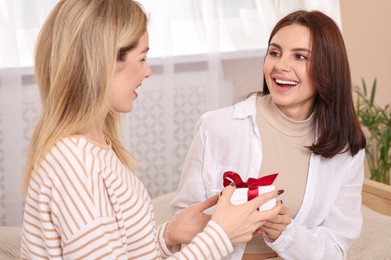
(241, 221)
(187, 223)
(275, 226)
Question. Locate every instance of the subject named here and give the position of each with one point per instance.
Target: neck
(296, 114)
(96, 134)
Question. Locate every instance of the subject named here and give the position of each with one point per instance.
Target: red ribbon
(252, 184)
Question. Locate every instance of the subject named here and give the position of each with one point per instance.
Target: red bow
(252, 184)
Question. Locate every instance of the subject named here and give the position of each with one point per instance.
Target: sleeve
(212, 243)
(340, 228)
(191, 188)
(44, 234)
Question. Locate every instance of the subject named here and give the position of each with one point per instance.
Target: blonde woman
(83, 201)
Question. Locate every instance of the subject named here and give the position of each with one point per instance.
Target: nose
(283, 64)
(148, 71)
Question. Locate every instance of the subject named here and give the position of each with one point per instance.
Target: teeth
(286, 82)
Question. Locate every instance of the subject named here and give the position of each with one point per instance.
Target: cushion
(161, 206)
(375, 239)
(10, 242)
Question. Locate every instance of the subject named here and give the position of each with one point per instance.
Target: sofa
(373, 243)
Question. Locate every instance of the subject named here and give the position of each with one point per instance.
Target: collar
(246, 108)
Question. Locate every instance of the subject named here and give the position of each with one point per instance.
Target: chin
(123, 110)
(128, 110)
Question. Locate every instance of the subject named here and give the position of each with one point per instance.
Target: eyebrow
(145, 50)
(294, 49)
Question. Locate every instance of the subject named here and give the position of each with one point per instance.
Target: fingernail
(280, 192)
(232, 184)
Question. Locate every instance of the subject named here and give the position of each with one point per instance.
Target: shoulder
(216, 117)
(227, 116)
(66, 160)
(347, 159)
(65, 151)
(342, 167)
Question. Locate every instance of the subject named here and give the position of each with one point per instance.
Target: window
(177, 27)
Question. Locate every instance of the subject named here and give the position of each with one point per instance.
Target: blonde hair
(75, 56)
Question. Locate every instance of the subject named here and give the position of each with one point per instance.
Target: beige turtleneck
(283, 149)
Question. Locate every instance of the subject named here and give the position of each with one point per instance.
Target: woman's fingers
(205, 204)
(285, 210)
(254, 203)
(283, 217)
(242, 222)
(271, 233)
(261, 199)
(227, 193)
(258, 232)
(275, 226)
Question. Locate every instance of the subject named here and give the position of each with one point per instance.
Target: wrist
(167, 235)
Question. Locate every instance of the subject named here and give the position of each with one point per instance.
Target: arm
(45, 230)
(186, 225)
(229, 225)
(75, 213)
(211, 243)
(191, 188)
(331, 238)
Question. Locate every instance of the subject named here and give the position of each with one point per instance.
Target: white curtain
(20, 21)
(204, 55)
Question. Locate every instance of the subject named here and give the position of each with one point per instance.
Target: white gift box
(240, 196)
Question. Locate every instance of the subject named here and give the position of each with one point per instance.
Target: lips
(285, 83)
(135, 90)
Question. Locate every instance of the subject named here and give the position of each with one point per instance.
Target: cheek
(305, 78)
(118, 90)
(113, 97)
(312, 89)
(309, 87)
(267, 70)
(122, 82)
(267, 66)
(303, 71)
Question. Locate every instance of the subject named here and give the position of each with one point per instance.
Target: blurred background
(204, 55)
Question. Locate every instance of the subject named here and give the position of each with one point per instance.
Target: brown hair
(338, 127)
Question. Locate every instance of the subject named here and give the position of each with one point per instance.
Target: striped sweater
(82, 203)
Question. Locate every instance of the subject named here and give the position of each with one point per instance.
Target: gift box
(240, 196)
(246, 191)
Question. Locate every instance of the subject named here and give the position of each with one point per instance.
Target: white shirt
(329, 219)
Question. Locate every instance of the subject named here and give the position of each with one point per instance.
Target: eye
(274, 53)
(121, 54)
(300, 56)
(145, 59)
